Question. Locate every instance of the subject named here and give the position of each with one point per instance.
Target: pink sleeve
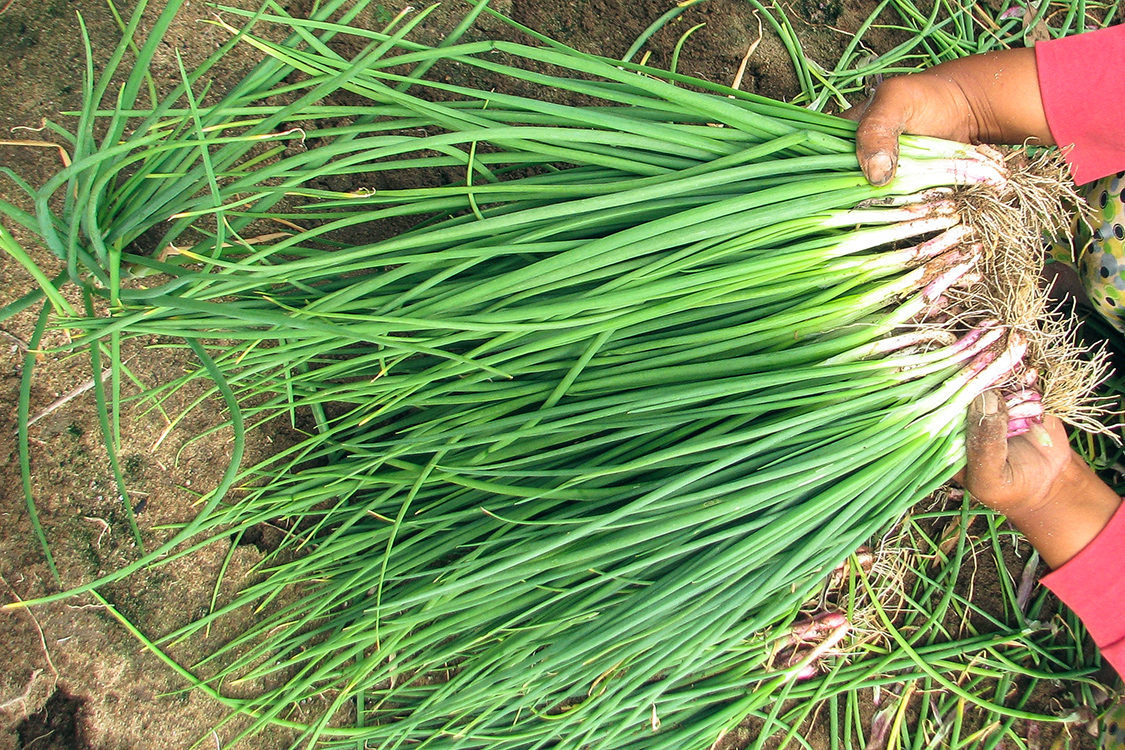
(1084, 98)
(1092, 584)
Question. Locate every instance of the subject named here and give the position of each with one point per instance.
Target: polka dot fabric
(1101, 249)
(1112, 734)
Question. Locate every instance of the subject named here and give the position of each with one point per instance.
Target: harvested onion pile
(649, 369)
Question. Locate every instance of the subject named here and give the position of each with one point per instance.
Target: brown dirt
(70, 675)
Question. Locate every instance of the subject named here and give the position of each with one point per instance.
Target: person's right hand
(1035, 479)
(927, 103)
(990, 98)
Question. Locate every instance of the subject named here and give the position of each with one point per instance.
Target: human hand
(923, 104)
(990, 98)
(1035, 479)
(1018, 474)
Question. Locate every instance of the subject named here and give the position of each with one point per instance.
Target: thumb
(987, 440)
(880, 124)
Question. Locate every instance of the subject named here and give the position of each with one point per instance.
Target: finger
(884, 117)
(882, 121)
(987, 441)
(1051, 434)
(1040, 435)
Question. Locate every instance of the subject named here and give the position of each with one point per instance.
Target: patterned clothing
(1102, 263)
(1112, 736)
(1098, 252)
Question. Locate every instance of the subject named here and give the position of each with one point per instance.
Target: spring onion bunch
(645, 372)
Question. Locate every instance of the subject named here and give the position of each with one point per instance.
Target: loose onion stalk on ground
(646, 372)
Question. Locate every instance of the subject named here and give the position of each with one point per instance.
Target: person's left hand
(1014, 475)
(1035, 479)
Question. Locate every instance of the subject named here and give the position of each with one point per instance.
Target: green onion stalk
(589, 434)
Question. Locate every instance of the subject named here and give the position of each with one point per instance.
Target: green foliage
(586, 436)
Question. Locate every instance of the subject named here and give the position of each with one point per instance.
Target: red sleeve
(1083, 93)
(1092, 584)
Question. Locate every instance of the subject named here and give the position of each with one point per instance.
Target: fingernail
(879, 169)
(989, 403)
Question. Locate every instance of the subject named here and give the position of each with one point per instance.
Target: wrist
(1072, 511)
(1002, 92)
(1078, 484)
